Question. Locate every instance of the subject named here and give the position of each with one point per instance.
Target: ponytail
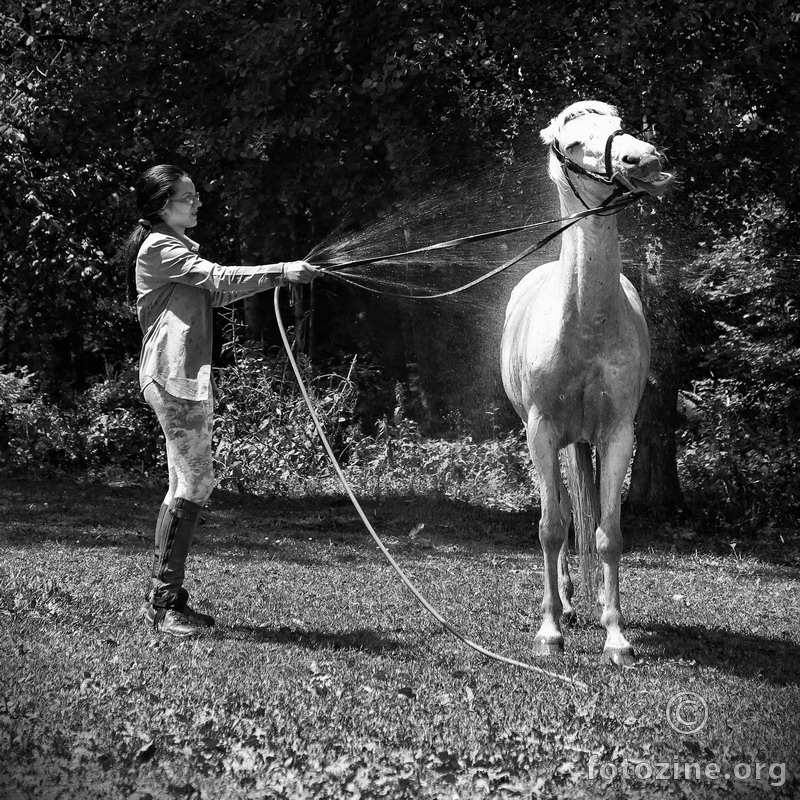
(130, 251)
(153, 190)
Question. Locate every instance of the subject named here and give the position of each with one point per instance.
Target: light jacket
(176, 291)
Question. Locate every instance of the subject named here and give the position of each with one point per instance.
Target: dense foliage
(289, 111)
(264, 440)
(747, 395)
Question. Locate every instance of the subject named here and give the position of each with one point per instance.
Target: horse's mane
(579, 109)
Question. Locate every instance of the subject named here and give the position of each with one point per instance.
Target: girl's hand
(298, 272)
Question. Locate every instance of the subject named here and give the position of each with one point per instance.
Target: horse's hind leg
(552, 535)
(565, 587)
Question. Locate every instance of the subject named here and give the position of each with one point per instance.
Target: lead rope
(403, 577)
(604, 209)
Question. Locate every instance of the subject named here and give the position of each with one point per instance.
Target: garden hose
(354, 500)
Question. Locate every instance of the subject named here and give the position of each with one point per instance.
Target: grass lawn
(324, 679)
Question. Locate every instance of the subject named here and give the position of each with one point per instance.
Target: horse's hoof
(569, 619)
(541, 647)
(620, 656)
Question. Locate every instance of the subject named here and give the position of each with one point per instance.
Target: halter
(619, 182)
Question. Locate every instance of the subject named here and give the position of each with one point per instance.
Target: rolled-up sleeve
(177, 264)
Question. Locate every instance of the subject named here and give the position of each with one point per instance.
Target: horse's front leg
(615, 457)
(552, 535)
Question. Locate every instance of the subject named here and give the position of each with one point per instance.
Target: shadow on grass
(745, 655)
(80, 513)
(361, 639)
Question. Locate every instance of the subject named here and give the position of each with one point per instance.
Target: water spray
(607, 207)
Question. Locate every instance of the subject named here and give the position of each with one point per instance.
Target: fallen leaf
(146, 751)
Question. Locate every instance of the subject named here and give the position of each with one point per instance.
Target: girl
(176, 290)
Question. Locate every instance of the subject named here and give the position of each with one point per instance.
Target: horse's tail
(582, 484)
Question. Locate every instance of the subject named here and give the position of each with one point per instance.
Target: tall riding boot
(156, 549)
(168, 609)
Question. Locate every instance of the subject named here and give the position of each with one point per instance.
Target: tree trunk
(302, 300)
(655, 486)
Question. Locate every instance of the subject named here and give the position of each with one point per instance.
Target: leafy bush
(740, 462)
(741, 458)
(399, 460)
(109, 427)
(265, 439)
(34, 434)
(15, 388)
(117, 428)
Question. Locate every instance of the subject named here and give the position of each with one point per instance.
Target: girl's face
(181, 210)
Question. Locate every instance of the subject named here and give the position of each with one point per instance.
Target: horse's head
(590, 151)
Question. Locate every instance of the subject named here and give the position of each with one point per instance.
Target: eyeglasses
(190, 199)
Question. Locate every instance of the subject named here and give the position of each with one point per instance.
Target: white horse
(575, 359)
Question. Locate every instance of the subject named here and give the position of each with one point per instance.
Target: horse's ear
(548, 134)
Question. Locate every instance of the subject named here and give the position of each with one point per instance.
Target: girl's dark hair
(153, 190)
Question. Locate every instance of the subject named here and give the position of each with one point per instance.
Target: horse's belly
(577, 408)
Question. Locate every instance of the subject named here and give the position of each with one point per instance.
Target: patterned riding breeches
(187, 426)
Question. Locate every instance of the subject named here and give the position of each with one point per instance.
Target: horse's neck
(590, 265)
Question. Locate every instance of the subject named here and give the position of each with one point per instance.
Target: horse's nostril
(629, 159)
